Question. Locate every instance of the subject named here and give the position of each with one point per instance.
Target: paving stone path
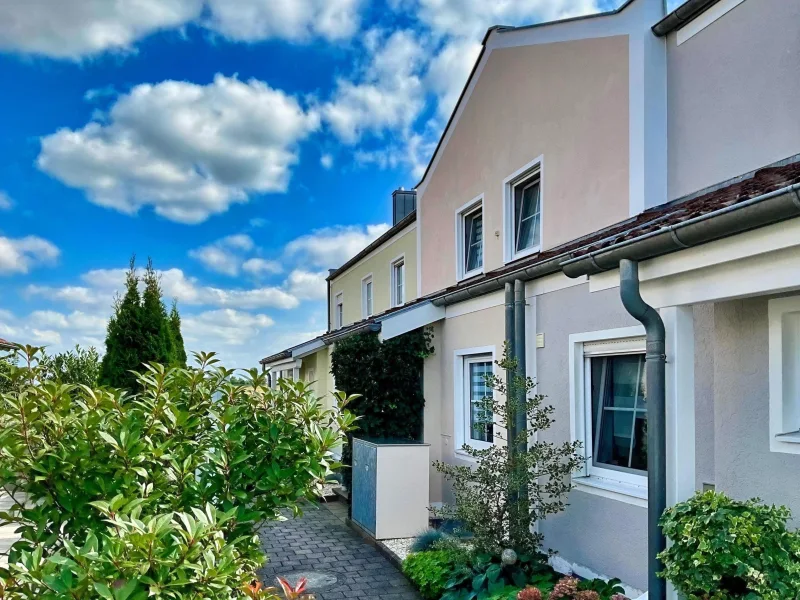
(322, 544)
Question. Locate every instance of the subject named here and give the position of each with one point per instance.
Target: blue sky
(245, 146)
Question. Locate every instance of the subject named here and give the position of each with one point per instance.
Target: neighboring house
(379, 279)
(671, 140)
(5, 345)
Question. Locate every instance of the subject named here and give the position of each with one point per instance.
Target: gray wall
(704, 394)
(608, 536)
(745, 467)
(733, 94)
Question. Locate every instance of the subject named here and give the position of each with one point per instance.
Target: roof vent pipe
(656, 420)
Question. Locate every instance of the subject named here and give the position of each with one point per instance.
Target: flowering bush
(159, 493)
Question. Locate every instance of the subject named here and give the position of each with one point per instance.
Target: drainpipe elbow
(635, 305)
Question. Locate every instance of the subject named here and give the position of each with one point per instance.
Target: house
(6, 345)
(590, 160)
(376, 281)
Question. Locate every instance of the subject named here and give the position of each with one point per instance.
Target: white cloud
(225, 255)
(261, 266)
(226, 326)
(20, 255)
(101, 285)
(326, 160)
(388, 95)
(187, 150)
(294, 20)
(6, 203)
(331, 247)
(471, 18)
(306, 285)
(78, 28)
(54, 329)
(448, 73)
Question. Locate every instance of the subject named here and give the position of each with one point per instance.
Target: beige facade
(565, 102)
(377, 267)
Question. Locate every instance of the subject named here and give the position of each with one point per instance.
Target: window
(608, 392)
(366, 296)
(398, 282)
(470, 240)
(784, 375)
(476, 391)
(339, 311)
(473, 418)
(523, 211)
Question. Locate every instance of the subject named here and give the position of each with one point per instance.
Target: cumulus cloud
(326, 160)
(101, 285)
(228, 326)
(449, 70)
(388, 94)
(81, 28)
(307, 285)
(186, 150)
(294, 20)
(6, 203)
(20, 255)
(53, 328)
(261, 266)
(225, 255)
(331, 247)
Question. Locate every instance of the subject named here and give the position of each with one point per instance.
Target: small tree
(124, 336)
(78, 366)
(177, 336)
(486, 499)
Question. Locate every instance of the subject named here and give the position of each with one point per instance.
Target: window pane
(369, 297)
(481, 428)
(473, 238)
(399, 282)
(526, 213)
(619, 410)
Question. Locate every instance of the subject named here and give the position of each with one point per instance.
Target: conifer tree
(124, 336)
(158, 346)
(177, 336)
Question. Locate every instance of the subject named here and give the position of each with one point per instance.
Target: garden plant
(158, 491)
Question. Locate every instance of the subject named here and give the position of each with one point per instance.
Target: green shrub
(487, 575)
(427, 540)
(723, 549)
(79, 366)
(430, 571)
(161, 491)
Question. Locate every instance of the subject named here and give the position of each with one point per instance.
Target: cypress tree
(158, 344)
(177, 336)
(124, 336)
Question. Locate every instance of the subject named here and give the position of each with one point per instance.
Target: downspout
(656, 420)
(510, 343)
(520, 414)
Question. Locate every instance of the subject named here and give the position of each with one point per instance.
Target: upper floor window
(470, 239)
(398, 282)
(523, 212)
(338, 313)
(366, 296)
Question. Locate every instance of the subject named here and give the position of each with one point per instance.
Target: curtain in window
(527, 214)
(480, 416)
(619, 409)
(473, 237)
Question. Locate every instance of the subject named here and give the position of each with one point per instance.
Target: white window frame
(619, 485)
(461, 425)
(535, 168)
(461, 258)
(338, 315)
(367, 303)
(784, 372)
(399, 261)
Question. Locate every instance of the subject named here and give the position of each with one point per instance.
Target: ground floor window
(473, 419)
(609, 409)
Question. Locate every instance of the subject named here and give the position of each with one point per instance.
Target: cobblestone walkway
(320, 543)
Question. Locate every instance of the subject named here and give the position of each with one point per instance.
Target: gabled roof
(389, 234)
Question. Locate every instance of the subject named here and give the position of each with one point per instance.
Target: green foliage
(177, 336)
(605, 589)
(486, 576)
(7, 362)
(79, 366)
(723, 549)
(430, 571)
(499, 519)
(427, 540)
(140, 332)
(156, 493)
(388, 379)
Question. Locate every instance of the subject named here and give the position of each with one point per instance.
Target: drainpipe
(510, 373)
(520, 415)
(656, 420)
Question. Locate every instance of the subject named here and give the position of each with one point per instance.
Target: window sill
(524, 253)
(615, 490)
(470, 275)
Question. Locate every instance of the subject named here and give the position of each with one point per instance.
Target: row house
(592, 160)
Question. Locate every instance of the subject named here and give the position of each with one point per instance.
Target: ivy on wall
(388, 375)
